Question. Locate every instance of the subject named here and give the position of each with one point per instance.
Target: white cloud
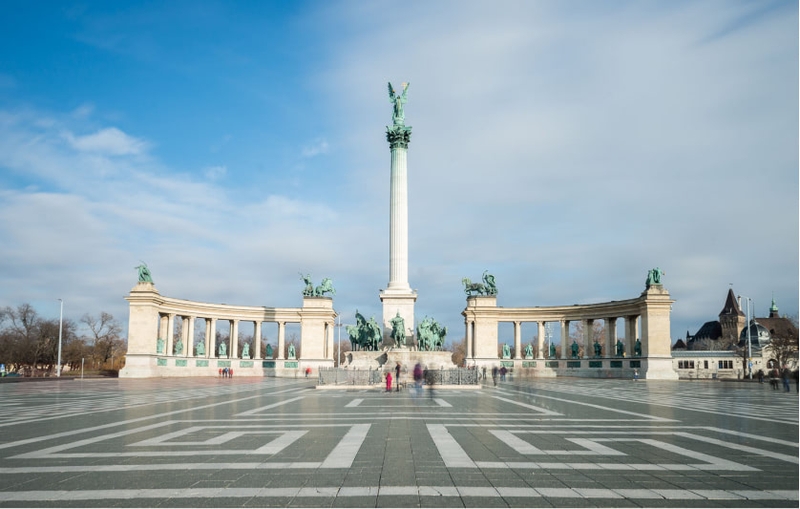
(108, 141)
(215, 172)
(318, 147)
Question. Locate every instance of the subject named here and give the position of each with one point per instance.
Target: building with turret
(719, 348)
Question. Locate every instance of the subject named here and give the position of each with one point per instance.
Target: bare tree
(783, 350)
(459, 349)
(104, 337)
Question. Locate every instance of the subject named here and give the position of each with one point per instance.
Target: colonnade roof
(575, 312)
(197, 309)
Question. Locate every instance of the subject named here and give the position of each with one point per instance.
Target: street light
(60, 327)
(749, 346)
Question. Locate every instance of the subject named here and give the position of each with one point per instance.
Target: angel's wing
(391, 92)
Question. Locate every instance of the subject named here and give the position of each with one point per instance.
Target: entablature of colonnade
(576, 312)
(181, 307)
(229, 312)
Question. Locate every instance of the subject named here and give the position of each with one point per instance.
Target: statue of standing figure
(269, 351)
(200, 348)
(398, 330)
(223, 350)
(292, 352)
(620, 348)
(246, 351)
(637, 348)
(488, 281)
(506, 351)
(529, 351)
(160, 345)
(552, 350)
(598, 350)
(398, 114)
(308, 291)
(575, 349)
(178, 348)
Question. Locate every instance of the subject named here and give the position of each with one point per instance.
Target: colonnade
(646, 319)
(631, 325)
(151, 336)
(211, 349)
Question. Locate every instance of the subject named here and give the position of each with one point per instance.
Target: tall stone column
(540, 340)
(517, 340)
(281, 340)
(588, 345)
(564, 338)
(398, 297)
(190, 336)
(257, 340)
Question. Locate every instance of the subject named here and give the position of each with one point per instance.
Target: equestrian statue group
(365, 335)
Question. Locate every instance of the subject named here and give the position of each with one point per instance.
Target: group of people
(775, 376)
(420, 375)
(226, 372)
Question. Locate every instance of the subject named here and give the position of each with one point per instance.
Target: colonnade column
(329, 327)
(468, 336)
(207, 337)
(631, 332)
(611, 336)
(162, 327)
(540, 341)
(281, 340)
(517, 340)
(170, 332)
(587, 337)
(564, 338)
(257, 340)
(190, 337)
(212, 337)
(234, 339)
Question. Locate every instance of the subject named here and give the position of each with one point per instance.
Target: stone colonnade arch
(652, 308)
(152, 352)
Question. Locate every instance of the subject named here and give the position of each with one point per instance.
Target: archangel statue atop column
(398, 115)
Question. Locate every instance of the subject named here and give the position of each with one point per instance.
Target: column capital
(398, 136)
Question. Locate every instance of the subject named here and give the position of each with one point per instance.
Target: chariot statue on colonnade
(310, 291)
(488, 287)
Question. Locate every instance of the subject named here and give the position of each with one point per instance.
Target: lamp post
(60, 327)
(749, 346)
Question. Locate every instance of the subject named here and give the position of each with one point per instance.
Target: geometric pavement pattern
(279, 442)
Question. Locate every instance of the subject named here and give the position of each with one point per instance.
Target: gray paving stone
(716, 451)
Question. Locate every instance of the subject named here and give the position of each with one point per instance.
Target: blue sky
(566, 147)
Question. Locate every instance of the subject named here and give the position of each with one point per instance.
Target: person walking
(786, 375)
(484, 372)
(494, 375)
(397, 377)
(635, 375)
(503, 372)
(418, 378)
(389, 381)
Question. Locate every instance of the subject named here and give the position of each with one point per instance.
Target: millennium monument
(398, 298)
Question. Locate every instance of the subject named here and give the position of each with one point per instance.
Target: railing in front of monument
(341, 376)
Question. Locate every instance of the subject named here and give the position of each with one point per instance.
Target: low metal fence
(341, 376)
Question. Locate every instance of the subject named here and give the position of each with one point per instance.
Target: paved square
(279, 442)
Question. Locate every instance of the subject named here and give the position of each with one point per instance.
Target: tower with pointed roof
(731, 318)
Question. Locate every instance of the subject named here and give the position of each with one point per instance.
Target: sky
(565, 147)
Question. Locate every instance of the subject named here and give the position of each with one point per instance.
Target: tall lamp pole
(60, 327)
(749, 346)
